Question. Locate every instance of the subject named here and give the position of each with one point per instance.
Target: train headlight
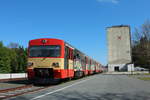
(30, 64)
(55, 64)
(44, 41)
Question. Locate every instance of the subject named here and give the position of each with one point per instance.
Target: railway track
(12, 92)
(7, 93)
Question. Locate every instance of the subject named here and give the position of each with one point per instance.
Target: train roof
(46, 39)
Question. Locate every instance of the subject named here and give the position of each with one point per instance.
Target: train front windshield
(44, 51)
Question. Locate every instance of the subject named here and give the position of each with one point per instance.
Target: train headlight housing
(29, 64)
(55, 64)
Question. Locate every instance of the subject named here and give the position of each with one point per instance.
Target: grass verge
(144, 78)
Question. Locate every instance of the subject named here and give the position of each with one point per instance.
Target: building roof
(116, 26)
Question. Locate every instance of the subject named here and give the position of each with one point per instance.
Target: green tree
(5, 60)
(18, 58)
(13, 58)
(22, 59)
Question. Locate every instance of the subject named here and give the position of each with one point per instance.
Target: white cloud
(110, 1)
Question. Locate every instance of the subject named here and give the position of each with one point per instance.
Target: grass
(147, 74)
(144, 78)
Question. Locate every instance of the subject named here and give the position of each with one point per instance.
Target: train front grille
(44, 72)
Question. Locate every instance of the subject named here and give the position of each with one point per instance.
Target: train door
(77, 64)
(86, 68)
(66, 62)
(84, 65)
(90, 67)
(70, 66)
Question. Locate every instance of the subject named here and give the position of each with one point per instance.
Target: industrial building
(119, 48)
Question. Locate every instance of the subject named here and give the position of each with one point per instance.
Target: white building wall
(111, 67)
(131, 67)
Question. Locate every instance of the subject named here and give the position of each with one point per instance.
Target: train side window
(67, 50)
(74, 57)
(71, 54)
(78, 56)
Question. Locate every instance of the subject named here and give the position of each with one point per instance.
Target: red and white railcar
(54, 59)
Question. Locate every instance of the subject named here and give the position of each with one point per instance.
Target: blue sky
(82, 23)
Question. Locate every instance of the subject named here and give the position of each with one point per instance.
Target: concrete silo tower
(119, 48)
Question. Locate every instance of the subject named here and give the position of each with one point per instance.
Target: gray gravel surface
(13, 84)
(97, 87)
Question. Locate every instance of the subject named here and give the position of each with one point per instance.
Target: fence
(13, 75)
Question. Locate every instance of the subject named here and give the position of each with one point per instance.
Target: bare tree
(141, 45)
